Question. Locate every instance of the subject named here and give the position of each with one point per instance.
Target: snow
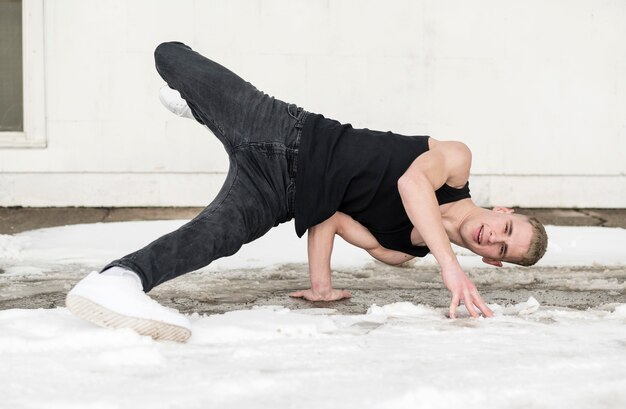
(395, 356)
(398, 355)
(96, 244)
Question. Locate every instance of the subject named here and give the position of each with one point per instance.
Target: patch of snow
(396, 356)
(97, 244)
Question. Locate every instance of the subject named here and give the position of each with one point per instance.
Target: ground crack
(602, 221)
(107, 213)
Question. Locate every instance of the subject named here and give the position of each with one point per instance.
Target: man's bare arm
(448, 162)
(417, 188)
(320, 246)
(356, 234)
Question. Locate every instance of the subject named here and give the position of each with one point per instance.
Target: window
(22, 107)
(11, 99)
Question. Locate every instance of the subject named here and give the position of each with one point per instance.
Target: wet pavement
(209, 292)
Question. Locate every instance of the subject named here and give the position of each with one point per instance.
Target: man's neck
(454, 215)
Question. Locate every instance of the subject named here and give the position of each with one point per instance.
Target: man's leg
(236, 112)
(233, 218)
(232, 108)
(245, 209)
(252, 200)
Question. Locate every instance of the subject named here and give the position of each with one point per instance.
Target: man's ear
(501, 209)
(492, 262)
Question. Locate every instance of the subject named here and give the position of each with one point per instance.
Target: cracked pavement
(210, 292)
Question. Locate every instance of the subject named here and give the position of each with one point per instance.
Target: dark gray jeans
(261, 135)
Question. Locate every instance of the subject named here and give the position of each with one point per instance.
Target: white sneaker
(171, 99)
(119, 302)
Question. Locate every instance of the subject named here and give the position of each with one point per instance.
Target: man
(395, 196)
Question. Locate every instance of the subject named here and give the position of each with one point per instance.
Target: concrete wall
(537, 89)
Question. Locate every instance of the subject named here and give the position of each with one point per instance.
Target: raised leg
(229, 106)
(217, 97)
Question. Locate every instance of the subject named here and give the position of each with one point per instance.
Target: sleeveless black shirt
(356, 171)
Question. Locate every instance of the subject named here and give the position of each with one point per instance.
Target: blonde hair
(538, 244)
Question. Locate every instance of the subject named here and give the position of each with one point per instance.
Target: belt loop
(294, 116)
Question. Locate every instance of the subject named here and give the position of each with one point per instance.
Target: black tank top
(356, 171)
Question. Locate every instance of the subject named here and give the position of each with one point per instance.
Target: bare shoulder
(450, 147)
(456, 146)
(458, 159)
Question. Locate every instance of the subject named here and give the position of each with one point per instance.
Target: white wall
(537, 89)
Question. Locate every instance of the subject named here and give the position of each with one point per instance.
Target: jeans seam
(277, 147)
(218, 205)
(219, 129)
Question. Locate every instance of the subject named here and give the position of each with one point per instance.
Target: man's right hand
(326, 295)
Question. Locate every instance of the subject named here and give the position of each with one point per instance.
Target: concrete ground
(381, 284)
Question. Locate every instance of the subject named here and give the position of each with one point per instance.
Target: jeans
(261, 135)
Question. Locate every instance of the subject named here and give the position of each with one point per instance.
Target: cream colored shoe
(119, 302)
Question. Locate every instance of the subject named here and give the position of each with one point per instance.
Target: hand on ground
(463, 289)
(328, 295)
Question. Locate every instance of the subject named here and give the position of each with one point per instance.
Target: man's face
(497, 235)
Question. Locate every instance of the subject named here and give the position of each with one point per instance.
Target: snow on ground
(395, 356)
(98, 243)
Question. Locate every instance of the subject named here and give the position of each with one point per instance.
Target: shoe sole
(103, 317)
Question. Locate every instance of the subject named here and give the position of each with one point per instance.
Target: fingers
(455, 303)
(338, 295)
(471, 300)
(478, 301)
(334, 295)
(469, 304)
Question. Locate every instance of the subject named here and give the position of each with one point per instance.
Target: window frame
(34, 132)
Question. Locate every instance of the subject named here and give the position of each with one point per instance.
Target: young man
(395, 196)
